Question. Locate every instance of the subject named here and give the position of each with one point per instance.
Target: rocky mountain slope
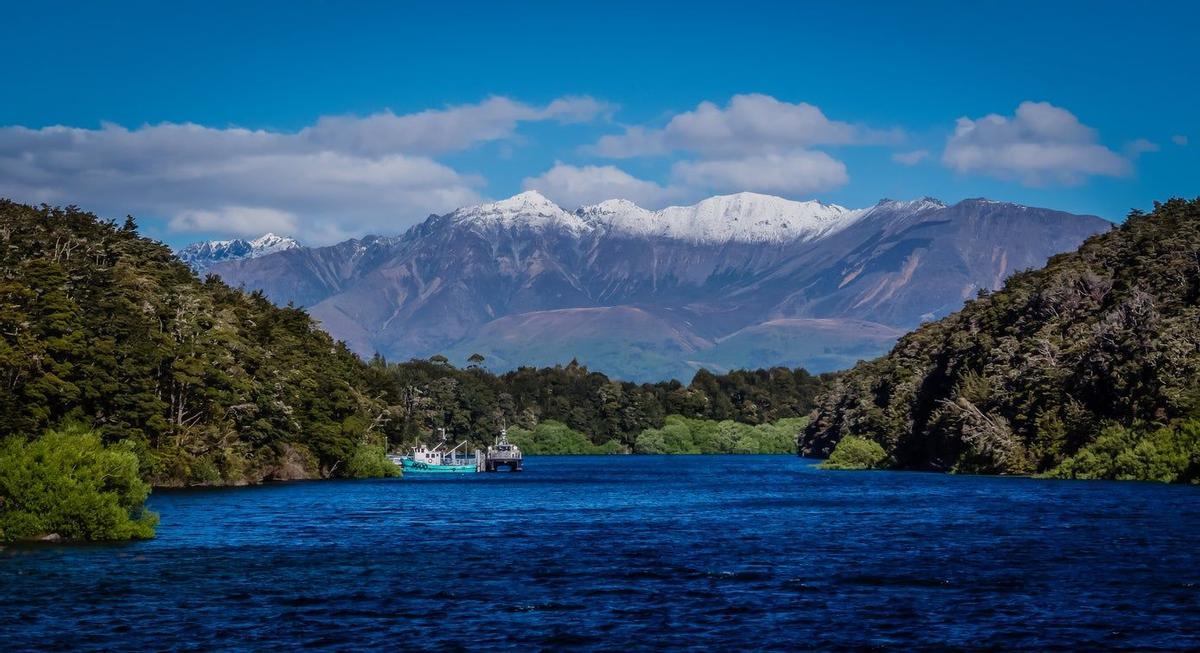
(742, 280)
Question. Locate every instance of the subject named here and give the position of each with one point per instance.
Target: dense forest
(474, 404)
(120, 369)
(204, 383)
(1087, 368)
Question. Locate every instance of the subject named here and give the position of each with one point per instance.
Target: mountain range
(743, 280)
(202, 256)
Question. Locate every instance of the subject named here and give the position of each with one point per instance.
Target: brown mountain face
(524, 282)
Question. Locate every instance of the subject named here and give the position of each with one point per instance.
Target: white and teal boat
(438, 460)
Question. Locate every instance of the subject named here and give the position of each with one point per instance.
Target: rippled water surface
(631, 552)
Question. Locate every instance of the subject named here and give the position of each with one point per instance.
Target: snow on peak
(610, 211)
(529, 200)
(203, 255)
(984, 200)
(270, 243)
(911, 206)
(741, 217)
(528, 209)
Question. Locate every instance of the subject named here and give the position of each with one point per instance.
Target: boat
(438, 460)
(503, 453)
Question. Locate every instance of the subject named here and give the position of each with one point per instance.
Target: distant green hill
(1087, 368)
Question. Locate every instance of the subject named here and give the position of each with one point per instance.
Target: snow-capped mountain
(203, 255)
(743, 280)
(528, 210)
(742, 217)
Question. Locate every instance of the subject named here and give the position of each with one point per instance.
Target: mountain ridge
(894, 264)
(202, 255)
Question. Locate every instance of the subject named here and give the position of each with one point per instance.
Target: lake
(631, 552)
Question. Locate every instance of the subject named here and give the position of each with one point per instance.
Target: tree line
(422, 396)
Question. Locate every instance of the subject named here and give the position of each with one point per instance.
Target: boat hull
(415, 467)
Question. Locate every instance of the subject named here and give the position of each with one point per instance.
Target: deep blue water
(629, 552)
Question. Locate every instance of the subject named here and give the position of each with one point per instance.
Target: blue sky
(217, 119)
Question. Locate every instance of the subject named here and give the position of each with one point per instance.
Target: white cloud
(1180, 140)
(1041, 143)
(748, 124)
(342, 176)
(794, 172)
(438, 131)
(1140, 146)
(237, 220)
(573, 186)
(755, 142)
(910, 158)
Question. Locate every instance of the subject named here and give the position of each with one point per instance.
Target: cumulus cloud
(910, 158)
(748, 124)
(341, 176)
(1041, 143)
(236, 220)
(438, 131)
(573, 186)
(794, 172)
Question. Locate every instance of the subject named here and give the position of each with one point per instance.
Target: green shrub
(780, 436)
(1168, 455)
(68, 483)
(856, 453)
(685, 435)
(369, 460)
(551, 438)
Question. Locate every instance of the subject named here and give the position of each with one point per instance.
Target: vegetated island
(1088, 368)
(122, 370)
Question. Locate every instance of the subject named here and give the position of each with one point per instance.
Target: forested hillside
(1088, 368)
(204, 383)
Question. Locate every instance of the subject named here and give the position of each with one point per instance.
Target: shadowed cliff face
(500, 284)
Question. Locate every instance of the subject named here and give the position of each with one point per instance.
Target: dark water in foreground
(631, 552)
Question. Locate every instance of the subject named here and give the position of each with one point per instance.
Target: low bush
(68, 484)
(1167, 454)
(856, 453)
